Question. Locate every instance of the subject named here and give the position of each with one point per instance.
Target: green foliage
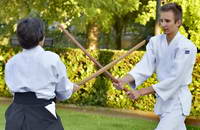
(110, 16)
(146, 12)
(48, 10)
(100, 91)
(6, 53)
(103, 12)
(195, 87)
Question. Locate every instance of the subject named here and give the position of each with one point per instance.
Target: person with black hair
(172, 57)
(35, 77)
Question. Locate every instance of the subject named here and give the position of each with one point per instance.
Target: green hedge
(100, 91)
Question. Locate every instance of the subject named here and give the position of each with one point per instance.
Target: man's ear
(179, 23)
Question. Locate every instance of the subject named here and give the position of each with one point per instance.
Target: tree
(102, 15)
(146, 18)
(122, 12)
(50, 10)
(98, 17)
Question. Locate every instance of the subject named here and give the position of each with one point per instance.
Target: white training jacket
(38, 71)
(173, 64)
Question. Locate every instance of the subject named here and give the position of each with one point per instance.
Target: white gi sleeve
(64, 87)
(184, 61)
(146, 67)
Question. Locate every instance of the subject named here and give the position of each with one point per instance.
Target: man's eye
(167, 21)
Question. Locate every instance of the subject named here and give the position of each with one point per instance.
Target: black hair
(175, 8)
(30, 31)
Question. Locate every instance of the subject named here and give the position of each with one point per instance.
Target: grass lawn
(86, 121)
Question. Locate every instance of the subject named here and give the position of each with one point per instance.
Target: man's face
(168, 23)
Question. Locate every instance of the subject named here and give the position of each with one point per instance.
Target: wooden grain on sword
(68, 35)
(111, 64)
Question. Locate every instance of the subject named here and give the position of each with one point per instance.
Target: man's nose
(163, 24)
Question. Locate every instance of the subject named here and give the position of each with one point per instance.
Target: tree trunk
(118, 30)
(107, 40)
(157, 27)
(92, 36)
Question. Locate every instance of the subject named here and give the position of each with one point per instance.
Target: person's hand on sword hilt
(119, 84)
(133, 94)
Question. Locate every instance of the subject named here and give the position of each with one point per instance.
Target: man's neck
(171, 36)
